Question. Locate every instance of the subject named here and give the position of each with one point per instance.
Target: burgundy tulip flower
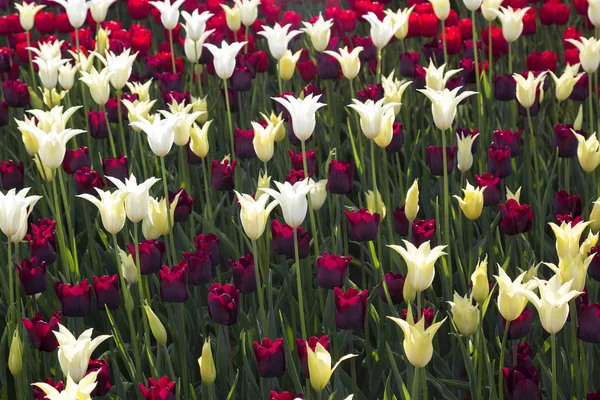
(589, 323)
(41, 331)
(241, 79)
(270, 358)
(594, 267)
(169, 82)
(223, 303)
(284, 396)
(565, 141)
(370, 92)
(426, 313)
(510, 139)
(491, 194)
(295, 176)
(397, 138)
(103, 384)
(311, 161)
(209, 243)
(76, 159)
(400, 221)
(106, 289)
(16, 93)
(522, 383)
(116, 167)
(42, 241)
(242, 142)
(32, 275)
(362, 225)
(331, 270)
(307, 70)
(505, 87)
(6, 59)
(173, 283)
(151, 255)
(566, 204)
(435, 160)
(596, 395)
(39, 394)
(520, 327)
(243, 272)
(524, 355)
(328, 68)
(98, 125)
(162, 389)
(303, 352)
(423, 231)
(75, 300)
(340, 177)
(12, 175)
(223, 174)
(86, 181)
(199, 267)
(499, 160)
(515, 218)
(395, 286)
(183, 210)
(350, 308)
(407, 64)
(283, 240)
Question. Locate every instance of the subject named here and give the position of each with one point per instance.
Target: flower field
(285, 199)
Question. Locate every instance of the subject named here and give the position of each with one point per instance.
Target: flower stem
(259, 289)
(444, 46)
(61, 232)
(172, 50)
(121, 131)
(554, 378)
(537, 185)
(299, 285)
(501, 365)
(415, 384)
(591, 103)
(477, 73)
(168, 206)
(313, 224)
(31, 71)
(229, 119)
(110, 134)
(446, 234)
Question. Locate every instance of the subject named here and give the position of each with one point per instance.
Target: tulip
(76, 11)
(75, 160)
(511, 301)
(283, 240)
(223, 304)
(160, 389)
(99, 9)
(400, 222)
(225, 57)
(515, 218)
(208, 372)
(264, 140)
(595, 216)
(159, 219)
(465, 154)
(15, 355)
(118, 67)
(48, 71)
(435, 78)
(340, 177)
(195, 24)
(512, 21)
(111, 207)
(292, 199)
(142, 90)
(589, 322)
(156, 326)
(331, 270)
(278, 38)
(412, 201)
(441, 8)
(169, 13)
(574, 269)
(400, 19)
(80, 390)
(418, 341)
(472, 204)
(444, 103)
(302, 112)
(136, 196)
(74, 353)
(375, 204)
(381, 32)
(160, 133)
(372, 119)
(319, 366)
(568, 239)
(199, 143)
(15, 208)
(420, 262)
(32, 274)
(52, 145)
(351, 307)
(173, 283)
(98, 83)
(465, 314)
(362, 225)
(12, 175)
(311, 343)
(27, 12)
(589, 53)
(472, 5)
(106, 289)
(522, 383)
(233, 17)
(319, 32)
(479, 280)
(287, 64)
(244, 274)
(566, 82)
(588, 151)
(519, 327)
(255, 213)
(270, 358)
(349, 61)
(527, 88)
(41, 332)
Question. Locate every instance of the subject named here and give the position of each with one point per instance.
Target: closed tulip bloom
(76, 11)
(568, 238)
(472, 203)
(400, 19)
(435, 77)
(444, 103)
(553, 302)
(319, 366)
(248, 10)
(15, 208)
(156, 326)
(381, 32)
(589, 53)
(393, 89)
(195, 24)
(588, 152)
(302, 112)
(487, 8)
(181, 131)
(66, 75)
(74, 353)
(411, 207)
(98, 83)
(111, 207)
(418, 341)
(279, 127)
(224, 57)
(386, 132)
(81, 390)
(319, 32)
(156, 223)
(374, 203)
(270, 358)
(371, 115)
(52, 145)
(287, 64)
(472, 5)
(118, 67)
(27, 12)
(278, 38)
(420, 262)
(208, 372)
(512, 22)
(41, 331)
(292, 199)
(465, 155)
(318, 193)
(255, 213)
(264, 140)
(199, 144)
(441, 8)
(566, 82)
(593, 12)
(479, 280)
(137, 111)
(169, 13)
(511, 301)
(160, 133)
(99, 9)
(15, 355)
(233, 17)
(589, 323)
(136, 196)
(574, 269)
(527, 87)
(464, 314)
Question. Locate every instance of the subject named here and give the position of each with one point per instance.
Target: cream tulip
(386, 133)
(264, 141)
(254, 214)
(73, 390)
(441, 8)
(319, 32)
(420, 262)
(516, 195)
(208, 372)
(199, 144)
(303, 113)
(444, 103)
(66, 75)
(527, 87)
(566, 82)
(111, 207)
(48, 71)
(119, 67)
(98, 83)
(472, 203)
(27, 12)
(292, 200)
(595, 216)
(381, 32)
(160, 133)
(568, 238)
(464, 314)
(142, 90)
(224, 57)
(156, 326)
(588, 152)
(511, 302)
(248, 10)
(138, 111)
(318, 194)
(169, 12)
(574, 269)
(400, 20)
(136, 196)
(349, 61)
(465, 156)
(195, 24)
(479, 281)
(371, 115)
(487, 8)
(411, 207)
(393, 89)
(278, 38)
(76, 11)
(319, 366)
(156, 222)
(472, 5)
(512, 22)
(15, 355)
(589, 53)
(374, 203)
(99, 9)
(128, 267)
(233, 17)
(52, 146)
(287, 64)
(15, 208)
(435, 77)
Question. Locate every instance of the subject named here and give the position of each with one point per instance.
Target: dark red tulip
(242, 142)
(169, 82)
(395, 286)
(298, 163)
(369, 50)
(499, 160)
(589, 323)
(565, 141)
(32, 275)
(243, 272)
(283, 240)
(510, 139)
(328, 68)
(41, 331)
(76, 159)
(295, 176)
(284, 396)
(171, 97)
(39, 394)
(151, 255)
(567, 204)
(362, 225)
(199, 267)
(350, 308)
(98, 126)
(370, 92)
(223, 303)
(596, 395)
(209, 243)
(520, 327)
(426, 313)
(397, 138)
(162, 389)
(435, 160)
(524, 355)
(86, 181)
(515, 218)
(505, 87)
(106, 289)
(16, 93)
(340, 177)
(75, 300)
(581, 88)
(307, 70)
(331, 270)
(433, 50)
(423, 231)
(522, 383)
(408, 61)
(491, 194)
(594, 268)
(270, 358)
(241, 79)
(6, 59)
(102, 378)
(183, 210)
(42, 241)
(12, 175)
(173, 283)
(400, 221)
(4, 113)
(303, 352)
(223, 174)
(116, 167)
(429, 27)
(542, 61)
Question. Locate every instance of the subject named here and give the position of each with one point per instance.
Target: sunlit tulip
(420, 262)
(15, 355)
(512, 21)
(411, 207)
(233, 17)
(527, 87)
(595, 216)
(48, 71)
(46, 174)
(568, 238)
(52, 145)
(318, 194)
(472, 203)
(566, 82)
(418, 341)
(156, 222)
(435, 77)
(464, 314)
(111, 207)
(160, 133)
(303, 113)
(208, 372)
(169, 13)
(319, 366)
(98, 83)
(254, 214)
(119, 67)
(156, 326)
(181, 131)
(138, 111)
(73, 390)
(27, 12)
(136, 196)
(278, 38)
(515, 196)
(199, 139)
(319, 32)
(574, 269)
(142, 90)
(76, 11)
(465, 156)
(371, 114)
(66, 75)
(381, 31)
(386, 132)
(400, 20)
(488, 7)
(264, 181)
(588, 152)
(102, 41)
(287, 64)
(52, 98)
(292, 199)
(511, 302)
(224, 57)
(444, 103)
(193, 49)
(349, 61)
(589, 53)
(472, 5)
(553, 302)
(479, 280)
(277, 121)
(578, 123)
(99, 9)
(441, 8)
(374, 203)
(74, 353)
(195, 24)
(393, 89)
(128, 267)
(264, 140)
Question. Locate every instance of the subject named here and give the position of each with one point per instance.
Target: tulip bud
(157, 328)
(465, 314)
(52, 98)
(287, 64)
(465, 156)
(199, 139)
(588, 152)
(208, 371)
(318, 194)
(15, 356)
(479, 279)
(374, 203)
(102, 43)
(128, 268)
(412, 201)
(579, 119)
(386, 131)
(200, 104)
(595, 216)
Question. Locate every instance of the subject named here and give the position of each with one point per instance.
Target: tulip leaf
(231, 393)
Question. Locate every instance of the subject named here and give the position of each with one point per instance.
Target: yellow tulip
(472, 204)
(208, 372)
(511, 302)
(287, 64)
(15, 355)
(319, 366)
(479, 279)
(411, 207)
(465, 314)
(158, 329)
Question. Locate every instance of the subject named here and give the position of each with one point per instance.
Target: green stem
(61, 232)
(299, 285)
(259, 289)
(172, 50)
(501, 365)
(479, 359)
(537, 185)
(31, 71)
(229, 119)
(510, 59)
(121, 131)
(168, 206)
(446, 61)
(477, 73)
(11, 279)
(110, 134)
(206, 188)
(313, 224)
(446, 234)
(379, 65)
(591, 103)
(415, 384)
(554, 377)
(69, 223)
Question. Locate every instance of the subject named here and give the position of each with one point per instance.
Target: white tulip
(15, 208)
(303, 113)
(278, 39)
(292, 199)
(224, 57)
(169, 13)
